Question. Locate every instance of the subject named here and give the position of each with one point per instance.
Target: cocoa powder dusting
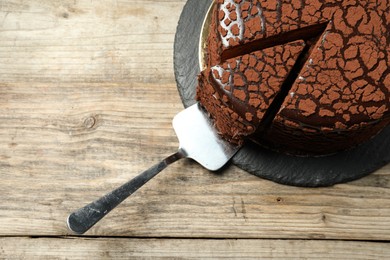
(343, 84)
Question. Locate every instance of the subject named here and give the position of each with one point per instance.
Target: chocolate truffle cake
(304, 77)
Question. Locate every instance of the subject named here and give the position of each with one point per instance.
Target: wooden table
(87, 94)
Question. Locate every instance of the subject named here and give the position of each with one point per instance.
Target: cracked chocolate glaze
(340, 97)
(241, 90)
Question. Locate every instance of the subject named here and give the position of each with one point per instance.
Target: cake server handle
(84, 218)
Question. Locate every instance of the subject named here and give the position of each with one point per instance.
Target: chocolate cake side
(340, 94)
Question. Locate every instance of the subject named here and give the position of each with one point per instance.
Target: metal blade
(199, 139)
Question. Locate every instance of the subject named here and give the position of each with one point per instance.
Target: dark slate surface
(290, 170)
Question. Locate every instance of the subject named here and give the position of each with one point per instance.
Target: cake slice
(239, 92)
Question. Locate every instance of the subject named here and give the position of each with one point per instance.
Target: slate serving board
(285, 169)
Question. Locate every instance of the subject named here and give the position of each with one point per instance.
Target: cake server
(198, 140)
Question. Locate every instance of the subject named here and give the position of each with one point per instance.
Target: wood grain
(106, 248)
(87, 94)
(83, 41)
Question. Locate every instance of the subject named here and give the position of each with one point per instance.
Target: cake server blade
(198, 140)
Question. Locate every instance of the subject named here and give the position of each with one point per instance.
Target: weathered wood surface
(108, 248)
(87, 94)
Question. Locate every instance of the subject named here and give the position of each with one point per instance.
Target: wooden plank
(105, 248)
(88, 41)
(52, 165)
(87, 94)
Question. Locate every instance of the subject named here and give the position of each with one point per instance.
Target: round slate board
(285, 169)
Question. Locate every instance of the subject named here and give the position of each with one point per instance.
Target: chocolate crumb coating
(338, 95)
